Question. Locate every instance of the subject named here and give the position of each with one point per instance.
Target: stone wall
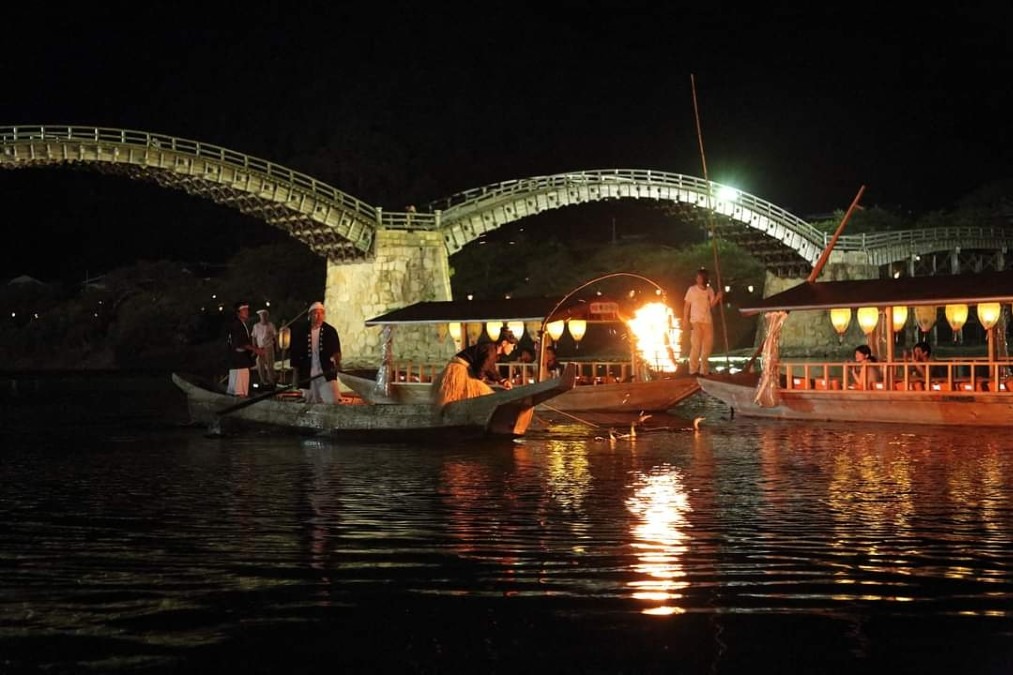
(408, 267)
(810, 334)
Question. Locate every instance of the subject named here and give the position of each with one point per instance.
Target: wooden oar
(215, 427)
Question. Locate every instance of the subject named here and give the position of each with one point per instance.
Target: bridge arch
(331, 223)
(468, 215)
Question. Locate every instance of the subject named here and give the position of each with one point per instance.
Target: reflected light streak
(660, 506)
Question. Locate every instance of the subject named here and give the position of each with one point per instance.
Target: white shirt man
(699, 300)
(264, 336)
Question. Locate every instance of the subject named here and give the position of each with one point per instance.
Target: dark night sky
(406, 103)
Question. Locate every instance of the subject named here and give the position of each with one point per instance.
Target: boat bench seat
(825, 383)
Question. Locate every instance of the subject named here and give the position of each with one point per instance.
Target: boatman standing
(241, 352)
(316, 357)
(700, 298)
(264, 336)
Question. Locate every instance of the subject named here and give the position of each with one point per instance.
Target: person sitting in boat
(864, 375)
(552, 365)
(921, 353)
(469, 372)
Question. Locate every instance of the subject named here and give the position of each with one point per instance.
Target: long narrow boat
(619, 397)
(504, 413)
(969, 391)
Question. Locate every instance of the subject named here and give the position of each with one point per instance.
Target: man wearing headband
(241, 353)
(316, 357)
(467, 373)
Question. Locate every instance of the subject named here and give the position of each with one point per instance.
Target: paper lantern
(441, 331)
(841, 319)
(532, 327)
(899, 318)
(455, 331)
(474, 332)
(868, 317)
(555, 329)
(577, 329)
(956, 315)
(988, 314)
(517, 328)
(494, 328)
(284, 338)
(925, 317)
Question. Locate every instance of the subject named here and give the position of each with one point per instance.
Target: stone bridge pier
(407, 266)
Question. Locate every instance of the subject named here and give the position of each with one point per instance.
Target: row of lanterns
(555, 329)
(925, 317)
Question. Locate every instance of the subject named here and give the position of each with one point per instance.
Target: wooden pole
(825, 256)
(710, 221)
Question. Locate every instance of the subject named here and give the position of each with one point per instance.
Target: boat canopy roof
(599, 309)
(936, 290)
(468, 311)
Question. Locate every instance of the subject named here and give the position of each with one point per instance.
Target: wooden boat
(602, 386)
(623, 397)
(504, 413)
(972, 391)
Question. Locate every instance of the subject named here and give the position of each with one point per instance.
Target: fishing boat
(614, 385)
(505, 413)
(969, 390)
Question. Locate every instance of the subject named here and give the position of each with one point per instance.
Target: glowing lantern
(517, 328)
(455, 331)
(899, 318)
(474, 332)
(925, 317)
(494, 328)
(868, 317)
(532, 327)
(441, 331)
(577, 329)
(555, 329)
(284, 338)
(956, 315)
(841, 319)
(988, 314)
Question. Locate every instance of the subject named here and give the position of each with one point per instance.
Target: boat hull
(900, 407)
(507, 414)
(632, 397)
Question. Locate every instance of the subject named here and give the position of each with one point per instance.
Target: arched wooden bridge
(343, 228)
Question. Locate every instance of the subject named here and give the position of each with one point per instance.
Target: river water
(130, 542)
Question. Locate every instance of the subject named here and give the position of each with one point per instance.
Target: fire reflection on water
(660, 506)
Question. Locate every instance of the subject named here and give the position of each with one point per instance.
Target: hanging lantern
(841, 319)
(577, 329)
(555, 329)
(868, 317)
(899, 318)
(956, 315)
(494, 328)
(454, 328)
(988, 314)
(474, 332)
(517, 328)
(441, 331)
(532, 327)
(925, 317)
(284, 338)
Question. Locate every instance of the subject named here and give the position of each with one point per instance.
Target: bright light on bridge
(728, 194)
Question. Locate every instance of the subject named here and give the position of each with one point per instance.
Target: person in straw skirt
(468, 373)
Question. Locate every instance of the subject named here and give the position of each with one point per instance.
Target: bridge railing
(878, 240)
(477, 198)
(63, 134)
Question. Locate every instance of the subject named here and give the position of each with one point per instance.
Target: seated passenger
(863, 375)
(920, 354)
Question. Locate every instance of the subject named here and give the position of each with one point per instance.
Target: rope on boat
(573, 417)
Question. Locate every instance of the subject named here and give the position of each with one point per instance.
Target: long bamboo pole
(825, 256)
(710, 221)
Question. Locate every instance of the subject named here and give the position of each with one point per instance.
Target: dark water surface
(131, 543)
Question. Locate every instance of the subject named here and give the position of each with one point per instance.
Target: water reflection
(660, 506)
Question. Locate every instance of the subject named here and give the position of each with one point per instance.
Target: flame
(658, 336)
